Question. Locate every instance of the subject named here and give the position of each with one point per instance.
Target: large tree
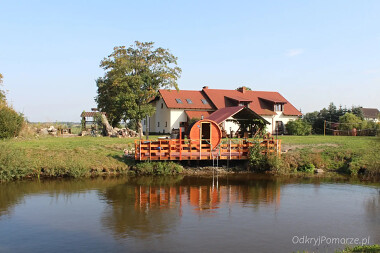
(2, 93)
(132, 78)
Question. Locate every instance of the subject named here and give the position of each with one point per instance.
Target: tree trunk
(106, 126)
(139, 129)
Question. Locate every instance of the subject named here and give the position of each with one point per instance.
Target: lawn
(56, 156)
(80, 156)
(345, 154)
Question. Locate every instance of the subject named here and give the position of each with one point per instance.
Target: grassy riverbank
(343, 154)
(83, 156)
(57, 156)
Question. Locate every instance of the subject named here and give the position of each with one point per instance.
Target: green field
(57, 156)
(344, 154)
(81, 156)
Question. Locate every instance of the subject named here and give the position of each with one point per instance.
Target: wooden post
(324, 128)
(200, 142)
(180, 143)
(140, 149)
(150, 154)
(230, 148)
(170, 149)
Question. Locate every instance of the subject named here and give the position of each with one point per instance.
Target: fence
(228, 149)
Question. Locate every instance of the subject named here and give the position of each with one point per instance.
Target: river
(230, 213)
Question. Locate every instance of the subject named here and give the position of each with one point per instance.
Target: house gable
(262, 102)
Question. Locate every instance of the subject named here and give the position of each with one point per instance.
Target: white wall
(278, 117)
(177, 116)
(161, 115)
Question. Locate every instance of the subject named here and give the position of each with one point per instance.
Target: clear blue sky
(312, 52)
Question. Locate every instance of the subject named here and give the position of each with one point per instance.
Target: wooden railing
(228, 149)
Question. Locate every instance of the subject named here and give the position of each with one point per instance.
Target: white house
(371, 114)
(177, 108)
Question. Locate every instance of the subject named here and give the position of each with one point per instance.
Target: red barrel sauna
(208, 129)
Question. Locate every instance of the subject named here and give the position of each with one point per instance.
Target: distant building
(371, 114)
(178, 108)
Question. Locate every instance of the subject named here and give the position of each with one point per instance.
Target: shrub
(257, 160)
(158, 168)
(13, 164)
(298, 127)
(308, 168)
(10, 122)
(361, 249)
(349, 121)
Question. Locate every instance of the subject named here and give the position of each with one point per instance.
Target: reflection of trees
(13, 193)
(372, 206)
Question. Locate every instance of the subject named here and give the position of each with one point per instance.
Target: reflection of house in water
(205, 197)
(142, 210)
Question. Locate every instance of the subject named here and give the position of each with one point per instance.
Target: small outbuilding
(206, 130)
(248, 121)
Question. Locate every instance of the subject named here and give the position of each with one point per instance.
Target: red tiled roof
(197, 114)
(240, 99)
(371, 113)
(170, 96)
(260, 106)
(275, 100)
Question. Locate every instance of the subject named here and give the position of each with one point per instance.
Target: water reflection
(372, 206)
(151, 205)
(144, 213)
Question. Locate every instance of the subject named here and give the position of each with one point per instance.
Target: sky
(312, 52)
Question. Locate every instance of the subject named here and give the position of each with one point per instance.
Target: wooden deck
(228, 149)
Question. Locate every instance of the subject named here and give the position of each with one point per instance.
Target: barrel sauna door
(206, 133)
(206, 130)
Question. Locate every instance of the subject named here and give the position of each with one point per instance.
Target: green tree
(133, 77)
(357, 110)
(247, 88)
(298, 127)
(2, 93)
(349, 121)
(10, 121)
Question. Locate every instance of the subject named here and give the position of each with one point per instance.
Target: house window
(158, 124)
(166, 124)
(144, 122)
(179, 101)
(204, 101)
(189, 101)
(278, 107)
(162, 105)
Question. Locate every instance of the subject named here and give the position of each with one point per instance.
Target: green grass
(357, 141)
(84, 156)
(358, 249)
(345, 154)
(57, 156)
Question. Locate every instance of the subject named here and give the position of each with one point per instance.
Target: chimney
(205, 87)
(242, 89)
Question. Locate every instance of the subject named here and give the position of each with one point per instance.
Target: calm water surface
(251, 213)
